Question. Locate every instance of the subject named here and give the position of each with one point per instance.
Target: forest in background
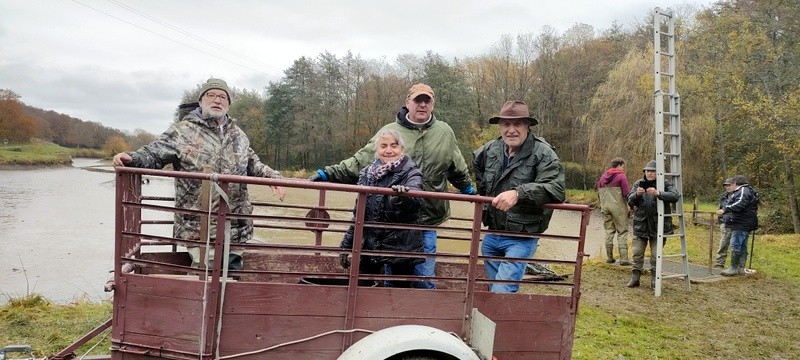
(738, 76)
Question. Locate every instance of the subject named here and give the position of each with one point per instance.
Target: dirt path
(562, 223)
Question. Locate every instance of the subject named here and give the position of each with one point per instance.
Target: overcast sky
(125, 64)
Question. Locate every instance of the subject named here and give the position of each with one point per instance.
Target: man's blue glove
(469, 190)
(319, 175)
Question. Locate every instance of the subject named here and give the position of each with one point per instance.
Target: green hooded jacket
(435, 150)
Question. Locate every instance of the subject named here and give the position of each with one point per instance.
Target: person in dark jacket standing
(432, 145)
(643, 198)
(612, 190)
(391, 168)
(522, 172)
(724, 231)
(742, 208)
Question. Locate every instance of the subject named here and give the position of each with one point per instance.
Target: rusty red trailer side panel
(164, 310)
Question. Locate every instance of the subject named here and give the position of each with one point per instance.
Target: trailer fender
(404, 338)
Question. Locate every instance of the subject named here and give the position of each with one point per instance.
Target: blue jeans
(426, 268)
(739, 240)
(500, 245)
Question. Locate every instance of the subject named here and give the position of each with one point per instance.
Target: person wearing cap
(522, 172)
(612, 189)
(206, 136)
(742, 207)
(724, 231)
(643, 198)
(432, 145)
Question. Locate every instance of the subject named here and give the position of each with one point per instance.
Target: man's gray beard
(214, 117)
(206, 115)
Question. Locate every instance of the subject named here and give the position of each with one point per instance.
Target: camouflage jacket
(191, 144)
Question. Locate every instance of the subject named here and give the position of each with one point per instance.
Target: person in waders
(612, 188)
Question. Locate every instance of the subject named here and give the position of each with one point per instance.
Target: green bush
(581, 176)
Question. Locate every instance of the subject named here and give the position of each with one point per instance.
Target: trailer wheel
(410, 342)
(422, 355)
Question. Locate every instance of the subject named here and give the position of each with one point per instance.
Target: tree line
(738, 78)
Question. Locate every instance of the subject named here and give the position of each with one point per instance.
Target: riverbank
(38, 153)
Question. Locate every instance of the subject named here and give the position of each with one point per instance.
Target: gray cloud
(99, 61)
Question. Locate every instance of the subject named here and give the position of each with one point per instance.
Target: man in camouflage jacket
(207, 136)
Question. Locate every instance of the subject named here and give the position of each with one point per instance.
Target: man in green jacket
(522, 172)
(432, 145)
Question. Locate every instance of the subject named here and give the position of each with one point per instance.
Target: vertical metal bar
(127, 219)
(472, 269)
(318, 232)
(576, 290)
(659, 143)
(711, 244)
(355, 263)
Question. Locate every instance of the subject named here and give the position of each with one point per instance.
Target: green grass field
(749, 317)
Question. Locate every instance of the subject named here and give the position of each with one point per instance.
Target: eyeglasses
(210, 96)
(422, 100)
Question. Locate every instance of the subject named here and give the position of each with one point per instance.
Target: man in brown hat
(522, 172)
(432, 145)
(192, 143)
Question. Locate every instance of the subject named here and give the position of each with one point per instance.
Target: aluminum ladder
(668, 142)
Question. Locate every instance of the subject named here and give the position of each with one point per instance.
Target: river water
(57, 229)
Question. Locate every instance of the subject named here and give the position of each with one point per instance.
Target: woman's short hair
(393, 133)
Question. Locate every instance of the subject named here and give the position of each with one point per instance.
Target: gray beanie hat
(214, 83)
(650, 166)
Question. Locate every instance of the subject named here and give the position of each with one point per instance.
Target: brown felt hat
(514, 110)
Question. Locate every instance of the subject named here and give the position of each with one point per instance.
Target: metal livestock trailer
(292, 299)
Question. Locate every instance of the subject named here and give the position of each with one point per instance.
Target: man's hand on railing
(344, 260)
(400, 189)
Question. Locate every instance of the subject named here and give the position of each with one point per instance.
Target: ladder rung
(671, 134)
(672, 174)
(672, 235)
(672, 255)
(674, 276)
(671, 114)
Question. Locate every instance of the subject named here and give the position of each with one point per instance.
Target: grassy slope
(42, 153)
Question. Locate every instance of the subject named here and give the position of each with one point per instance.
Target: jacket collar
(403, 120)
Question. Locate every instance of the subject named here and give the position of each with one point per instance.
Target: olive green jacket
(435, 150)
(535, 172)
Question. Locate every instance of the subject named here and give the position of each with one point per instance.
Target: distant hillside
(68, 131)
